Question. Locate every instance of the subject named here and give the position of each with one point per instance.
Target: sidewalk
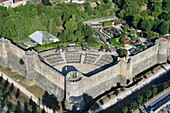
(130, 90)
(26, 92)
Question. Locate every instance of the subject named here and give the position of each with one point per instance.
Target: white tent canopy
(41, 36)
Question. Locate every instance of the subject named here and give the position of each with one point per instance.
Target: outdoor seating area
(90, 58)
(54, 59)
(79, 58)
(105, 60)
(72, 57)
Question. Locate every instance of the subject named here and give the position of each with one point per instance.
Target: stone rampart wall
(102, 81)
(44, 75)
(15, 54)
(169, 47)
(48, 85)
(52, 80)
(143, 60)
(50, 73)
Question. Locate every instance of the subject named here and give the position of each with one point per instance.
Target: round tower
(74, 91)
(30, 63)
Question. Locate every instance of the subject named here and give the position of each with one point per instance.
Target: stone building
(71, 74)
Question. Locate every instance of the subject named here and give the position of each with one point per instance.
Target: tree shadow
(164, 68)
(89, 104)
(50, 101)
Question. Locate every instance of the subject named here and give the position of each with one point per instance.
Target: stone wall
(34, 70)
(144, 60)
(3, 53)
(102, 81)
(51, 87)
(15, 54)
(163, 50)
(169, 47)
(49, 72)
(49, 78)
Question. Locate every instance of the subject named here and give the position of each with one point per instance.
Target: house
(43, 37)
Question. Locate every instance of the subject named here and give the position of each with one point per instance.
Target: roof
(39, 35)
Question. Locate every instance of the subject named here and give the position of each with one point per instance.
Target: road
(157, 102)
(98, 20)
(130, 90)
(26, 92)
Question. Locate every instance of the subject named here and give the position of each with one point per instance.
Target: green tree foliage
(156, 12)
(165, 16)
(125, 109)
(146, 25)
(165, 85)
(59, 20)
(148, 94)
(155, 91)
(21, 61)
(164, 28)
(140, 100)
(122, 52)
(133, 105)
(71, 25)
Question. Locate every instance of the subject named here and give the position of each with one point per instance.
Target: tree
(164, 28)
(122, 52)
(58, 21)
(134, 38)
(146, 25)
(140, 100)
(165, 85)
(148, 94)
(52, 27)
(79, 36)
(133, 105)
(155, 91)
(125, 109)
(71, 25)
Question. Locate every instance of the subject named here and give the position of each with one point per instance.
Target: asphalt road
(156, 103)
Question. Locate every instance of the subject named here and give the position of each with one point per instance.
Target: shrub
(21, 61)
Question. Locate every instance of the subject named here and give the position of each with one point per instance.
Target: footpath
(26, 92)
(129, 91)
